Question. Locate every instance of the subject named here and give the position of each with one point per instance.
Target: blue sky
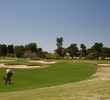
(42, 21)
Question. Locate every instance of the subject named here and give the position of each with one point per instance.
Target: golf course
(56, 80)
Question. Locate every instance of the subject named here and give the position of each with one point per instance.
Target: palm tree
(83, 51)
(60, 50)
(59, 42)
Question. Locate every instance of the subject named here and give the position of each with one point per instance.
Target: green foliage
(59, 42)
(97, 49)
(29, 53)
(51, 56)
(68, 57)
(40, 53)
(83, 51)
(106, 53)
(10, 49)
(32, 47)
(93, 55)
(73, 50)
(19, 51)
(3, 50)
(60, 50)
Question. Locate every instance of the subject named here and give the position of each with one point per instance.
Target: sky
(43, 21)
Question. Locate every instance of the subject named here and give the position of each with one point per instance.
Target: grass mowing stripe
(56, 74)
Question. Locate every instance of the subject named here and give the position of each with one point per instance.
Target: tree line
(97, 51)
(20, 51)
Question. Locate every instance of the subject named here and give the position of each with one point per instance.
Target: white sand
(104, 64)
(19, 66)
(24, 66)
(44, 62)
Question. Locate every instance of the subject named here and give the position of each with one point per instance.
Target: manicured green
(59, 73)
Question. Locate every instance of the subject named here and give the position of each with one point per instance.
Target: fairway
(62, 72)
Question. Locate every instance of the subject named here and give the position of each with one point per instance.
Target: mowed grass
(62, 72)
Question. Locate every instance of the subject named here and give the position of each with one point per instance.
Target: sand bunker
(104, 64)
(44, 62)
(20, 66)
(25, 66)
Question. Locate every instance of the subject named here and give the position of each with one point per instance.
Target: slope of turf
(59, 73)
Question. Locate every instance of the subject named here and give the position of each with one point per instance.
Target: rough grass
(85, 90)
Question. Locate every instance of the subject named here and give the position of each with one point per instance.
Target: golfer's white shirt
(8, 70)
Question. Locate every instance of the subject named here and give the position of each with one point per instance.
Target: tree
(60, 50)
(0, 50)
(40, 52)
(97, 47)
(19, 51)
(92, 55)
(59, 42)
(51, 55)
(3, 50)
(106, 53)
(29, 53)
(10, 49)
(83, 51)
(32, 47)
(73, 50)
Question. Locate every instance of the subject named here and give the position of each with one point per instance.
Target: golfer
(9, 73)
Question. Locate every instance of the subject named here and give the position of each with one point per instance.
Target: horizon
(56, 46)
